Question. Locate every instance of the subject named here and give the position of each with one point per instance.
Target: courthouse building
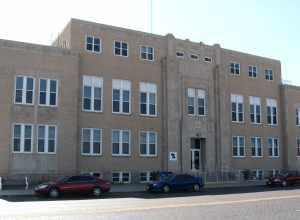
(124, 103)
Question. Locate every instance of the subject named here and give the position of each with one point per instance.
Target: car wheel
(166, 189)
(53, 193)
(196, 187)
(284, 183)
(97, 191)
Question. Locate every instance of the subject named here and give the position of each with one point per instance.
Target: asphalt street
(223, 203)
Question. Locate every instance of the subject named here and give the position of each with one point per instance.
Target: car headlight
(43, 186)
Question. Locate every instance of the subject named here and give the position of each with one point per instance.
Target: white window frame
(234, 73)
(148, 88)
(256, 176)
(121, 85)
(196, 94)
(48, 81)
(298, 116)
(148, 177)
(121, 154)
(147, 53)
(148, 143)
(256, 147)
(93, 44)
(238, 146)
(269, 75)
(92, 142)
(298, 147)
(272, 103)
(22, 138)
(237, 99)
(121, 48)
(92, 81)
(273, 147)
(46, 139)
(24, 90)
(207, 59)
(251, 71)
(255, 101)
(121, 177)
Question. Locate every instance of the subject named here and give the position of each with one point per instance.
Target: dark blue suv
(172, 182)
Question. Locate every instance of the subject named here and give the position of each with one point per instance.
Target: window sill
(122, 113)
(24, 104)
(149, 116)
(238, 122)
(148, 155)
(121, 155)
(274, 157)
(19, 152)
(91, 155)
(46, 153)
(48, 106)
(239, 157)
(90, 111)
(257, 157)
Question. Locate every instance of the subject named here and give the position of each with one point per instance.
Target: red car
(285, 179)
(83, 184)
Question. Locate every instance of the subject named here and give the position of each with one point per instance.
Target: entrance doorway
(197, 154)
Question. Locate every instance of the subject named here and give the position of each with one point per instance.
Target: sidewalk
(133, 188)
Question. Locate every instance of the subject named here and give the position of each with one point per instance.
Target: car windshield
(166, 177)
(61, 179)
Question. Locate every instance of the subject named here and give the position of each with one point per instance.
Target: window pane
(97, 135)
(86, 147)
(116, 137)
(41, 145)
(87, 91)
(17, 131)
(86, 135)
(29, 85)
(152, 149)
(53, 85)
(52, 98)
(116, 149)
(125, 148)
(96, 148)
(89, 40)
(28, 131)
(51, 146)
(29, 95)
(42, 98)
(19, 82)
(17, 144)
(125, 137)
(51, 134)
(116, 94)
(27, 145)
(126, 95)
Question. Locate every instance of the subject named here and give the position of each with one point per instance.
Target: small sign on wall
(173, 156)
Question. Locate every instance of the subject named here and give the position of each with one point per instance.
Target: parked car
(284, 179)
(172, 182)
(83, 184)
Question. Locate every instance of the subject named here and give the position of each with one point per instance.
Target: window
(92, 94)
(273, 147)
(238, 146)
(207, 59)
(196, 102)
(22, 138)
(269, 74)
(24, 90)
(271, 111)
(298, 147)
(147, 53)
(91, 141)
(48, 92)
(256, 147)
(237, 108)
(121, 177)
(252, 71)
(148, 143)
(235, 68)
(146, 177)
(179, 54)
(46, 142)
(120, 142)
(257, 174)
(255, 110)
(93, 44)
(121, 96)
(298, 116)
(194, 57)
(148, 98)
(121, 48)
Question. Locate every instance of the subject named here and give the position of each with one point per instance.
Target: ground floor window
(146, 177)
(257, 174)
(121, 177)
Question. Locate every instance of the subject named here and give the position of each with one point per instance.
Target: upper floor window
(148, 96)
(120, 142)
(147, 53)
(298, 147)
(235, 68)
(93, 44)
(121, 96)
(179, 54)
(207, 59)
(196, 102)
(46, 139)
(237, 108)
(252, 71)
(194, 57)
(255, 110)
(48, 92)
(121, 48)
(148, 143)
(238, 146)
(22, 138)
(24, 90)
(256, 147)
(298, 116)
(271, 111)
(273, 147)
(269, 74)
(91, 141)
(92, 94)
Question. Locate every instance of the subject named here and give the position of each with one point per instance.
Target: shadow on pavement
(148, 195)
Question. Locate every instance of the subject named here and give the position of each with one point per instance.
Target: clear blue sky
(268, 28)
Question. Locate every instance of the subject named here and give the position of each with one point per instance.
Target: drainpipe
(181, 123)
